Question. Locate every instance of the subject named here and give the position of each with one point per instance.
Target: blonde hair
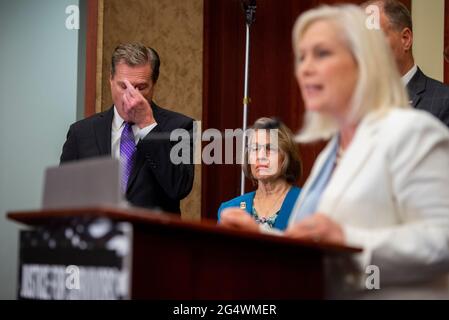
(379, 87)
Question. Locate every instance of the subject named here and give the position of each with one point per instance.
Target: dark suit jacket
(429, 94)
(155, 182)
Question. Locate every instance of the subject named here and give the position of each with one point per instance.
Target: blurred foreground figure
(382, 182)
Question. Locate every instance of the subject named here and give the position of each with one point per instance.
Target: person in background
(274, 169)
(425, 93)
(136, 131)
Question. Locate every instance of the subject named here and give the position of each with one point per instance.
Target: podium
(143, 254)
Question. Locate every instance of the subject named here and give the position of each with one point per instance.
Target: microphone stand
(250, 16)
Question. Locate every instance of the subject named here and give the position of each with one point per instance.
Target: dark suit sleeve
(444, 114)
(175, 179)
(70, 148)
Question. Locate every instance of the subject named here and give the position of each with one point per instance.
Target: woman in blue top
(272, 163)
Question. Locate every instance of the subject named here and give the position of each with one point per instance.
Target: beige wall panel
(428, 46)
(175, 29)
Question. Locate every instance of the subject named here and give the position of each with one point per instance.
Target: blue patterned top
(246, 201)
(266, 221)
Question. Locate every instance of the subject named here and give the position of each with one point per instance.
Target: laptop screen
(83, 183)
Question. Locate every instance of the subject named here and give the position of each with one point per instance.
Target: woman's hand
(317, 227)
(238, 219)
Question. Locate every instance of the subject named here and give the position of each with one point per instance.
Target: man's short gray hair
(397, 13)
(136, 54)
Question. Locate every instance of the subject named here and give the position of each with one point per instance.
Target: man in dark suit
(425, 93)
(136, 131)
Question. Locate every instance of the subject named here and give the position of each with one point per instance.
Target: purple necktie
(127, 152)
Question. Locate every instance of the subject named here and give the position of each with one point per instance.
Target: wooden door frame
(446, 40)
(91, 57)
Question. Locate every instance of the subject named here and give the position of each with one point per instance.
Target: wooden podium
(175, 259)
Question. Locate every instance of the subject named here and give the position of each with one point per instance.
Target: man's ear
(407, 39)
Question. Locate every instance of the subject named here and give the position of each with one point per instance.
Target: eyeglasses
(268, 148)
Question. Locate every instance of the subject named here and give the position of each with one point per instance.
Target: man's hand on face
(136, 107)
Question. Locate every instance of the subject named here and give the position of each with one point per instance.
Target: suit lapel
(352, 163)
(138, 164)
(416, 87)
(102, 129)
(140, 159)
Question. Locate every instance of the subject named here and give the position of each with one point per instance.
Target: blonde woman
(382, 182)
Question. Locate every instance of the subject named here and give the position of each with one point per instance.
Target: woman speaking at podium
(382, 182)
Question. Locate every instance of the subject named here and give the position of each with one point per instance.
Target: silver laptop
(84, 183)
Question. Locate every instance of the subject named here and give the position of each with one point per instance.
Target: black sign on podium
(84, 258)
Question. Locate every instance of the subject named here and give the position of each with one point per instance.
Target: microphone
(249, 6)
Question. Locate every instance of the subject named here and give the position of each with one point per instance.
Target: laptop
(84, 183)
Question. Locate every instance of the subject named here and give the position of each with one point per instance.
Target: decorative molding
(99, 67)
(446, 42)
(91, 57)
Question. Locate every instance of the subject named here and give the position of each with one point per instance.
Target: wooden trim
(205, 109)
(99, 99)
(141, 216)
(91, 57)
(446, 41)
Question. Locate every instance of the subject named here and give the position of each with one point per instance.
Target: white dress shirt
(409, 75)
(117, 127)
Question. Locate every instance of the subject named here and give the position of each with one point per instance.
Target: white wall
(428, 20)
(38, 101)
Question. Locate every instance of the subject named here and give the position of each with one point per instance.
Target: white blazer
(390, 194)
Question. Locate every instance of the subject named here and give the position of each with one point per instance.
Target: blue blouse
(248, 199)
(311, 201)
